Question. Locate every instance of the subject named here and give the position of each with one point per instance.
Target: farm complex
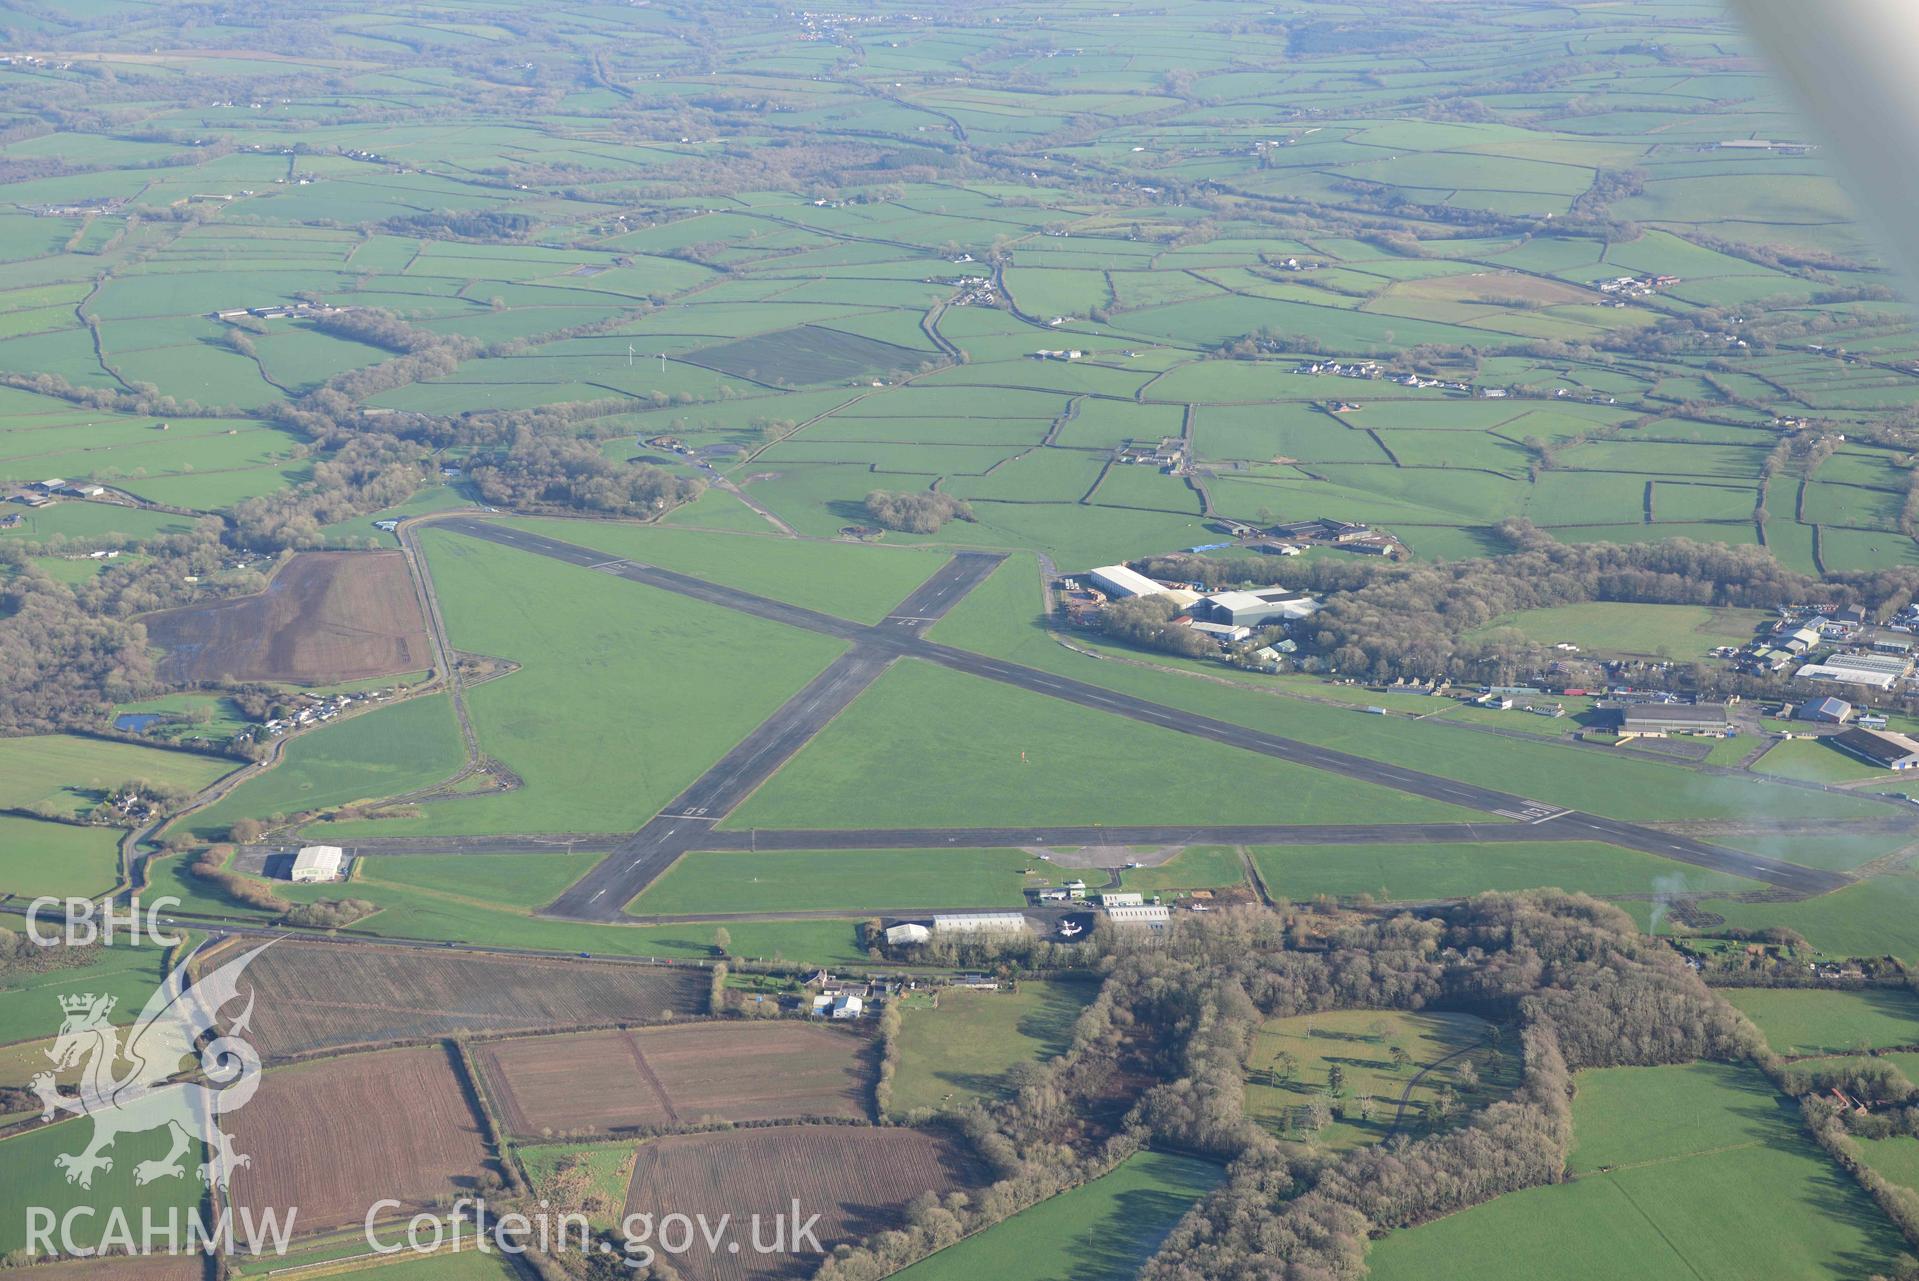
(1199, 640)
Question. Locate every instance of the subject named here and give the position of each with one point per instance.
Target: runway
(688, 823)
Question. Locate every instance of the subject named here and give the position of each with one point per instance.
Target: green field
(381, 753)
(508, 880)
(67, 775)
(1681, 1172)
(1807, 1021)
(1006, 755)
(1644, 631)
(1101, 1231)
(1617, 786)
(1814, 761)
(852, 580)
(1293, 1060)
(617, 703)
(35, 1181)
(1488, 277)
(848, 880)
(29, 999)
(967, 1047)
(1896, 1158)
(1421, 870)
(38, 857)
(1876, 917)
(1198, 867)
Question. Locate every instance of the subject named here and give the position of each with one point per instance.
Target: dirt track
(326, 617)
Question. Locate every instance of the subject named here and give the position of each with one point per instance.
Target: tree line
(1574, 977)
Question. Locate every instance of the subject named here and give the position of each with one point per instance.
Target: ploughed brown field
(325, 617)
(324, 996)
(671, 1076)
(858, 1179)
(330, 1138)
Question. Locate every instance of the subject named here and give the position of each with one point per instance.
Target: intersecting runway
(688, 822)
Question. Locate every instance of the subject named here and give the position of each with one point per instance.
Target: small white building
(907, 933)
(849, 1006)
(1121, 898)
(317, 863)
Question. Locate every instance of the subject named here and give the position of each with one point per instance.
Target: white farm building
(317, 863)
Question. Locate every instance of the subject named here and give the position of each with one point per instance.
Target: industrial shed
(1120, 583)
(1252, 609)
(317, 863)
(1877, 747)
(980, 923)
(1830, 711)
(1657, 720)
(1150, 916)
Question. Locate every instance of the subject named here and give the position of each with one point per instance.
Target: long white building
(1119, 582)
(980, 923)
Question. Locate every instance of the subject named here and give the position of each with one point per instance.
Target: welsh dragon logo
(152, 1092)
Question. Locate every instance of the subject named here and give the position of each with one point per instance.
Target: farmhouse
(1877, 747)
(1657, 720)
(1121, 583)
(317, 863)
(980, 923)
